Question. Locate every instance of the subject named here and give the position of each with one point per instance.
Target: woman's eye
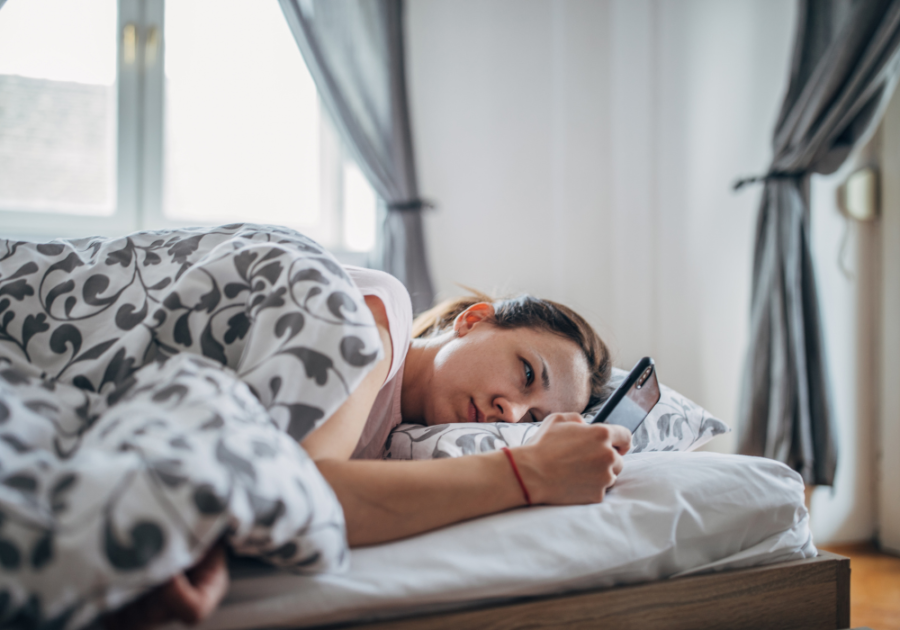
(529, 373)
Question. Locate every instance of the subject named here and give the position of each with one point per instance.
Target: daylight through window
(134, 114)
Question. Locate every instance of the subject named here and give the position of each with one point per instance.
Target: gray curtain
(844, 68)
(354, 51)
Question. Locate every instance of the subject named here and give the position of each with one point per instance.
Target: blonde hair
(527, 311)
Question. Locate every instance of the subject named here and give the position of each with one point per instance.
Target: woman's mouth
(475, 414)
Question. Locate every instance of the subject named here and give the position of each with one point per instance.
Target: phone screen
(632, 401)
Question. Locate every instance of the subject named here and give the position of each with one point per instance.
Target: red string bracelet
(512, 462)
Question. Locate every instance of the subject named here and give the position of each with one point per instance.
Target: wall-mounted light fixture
(858, 195)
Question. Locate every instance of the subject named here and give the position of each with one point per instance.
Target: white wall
(888, 435)
(583, 150)
(510, 109)
(846, 257)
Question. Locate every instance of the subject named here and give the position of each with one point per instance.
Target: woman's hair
(529, 312)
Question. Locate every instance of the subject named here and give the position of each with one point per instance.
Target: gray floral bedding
(153, 389)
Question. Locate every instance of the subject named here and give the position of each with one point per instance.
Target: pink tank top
(385, 413)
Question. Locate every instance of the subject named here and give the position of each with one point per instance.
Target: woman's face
(490, 374)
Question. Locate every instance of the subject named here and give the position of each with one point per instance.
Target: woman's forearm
(567, 462)
(387, 500)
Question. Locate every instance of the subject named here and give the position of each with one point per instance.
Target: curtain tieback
(763, 178)
(410, 205)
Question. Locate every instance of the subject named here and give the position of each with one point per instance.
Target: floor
(874, 586)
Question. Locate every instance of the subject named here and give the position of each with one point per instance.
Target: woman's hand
(187, 597)
(569, 461)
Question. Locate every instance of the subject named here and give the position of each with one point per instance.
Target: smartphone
(632, 401)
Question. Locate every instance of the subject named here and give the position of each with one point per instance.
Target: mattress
(668, 515)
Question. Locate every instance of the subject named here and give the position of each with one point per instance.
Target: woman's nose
(508, 410)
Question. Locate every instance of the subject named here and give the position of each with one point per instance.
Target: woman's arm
(570, 462)
(337, 438)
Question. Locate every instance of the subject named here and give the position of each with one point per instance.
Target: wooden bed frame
(812, 593)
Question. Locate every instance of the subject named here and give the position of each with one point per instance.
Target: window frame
(140, 136)
(36, 223)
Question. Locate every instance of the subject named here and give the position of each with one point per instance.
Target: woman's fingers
(193, 595)
(210, 575)
(612, 442)
(552, 420)
(559, 418)
(187, 597)
(181, 600)
(620, 438)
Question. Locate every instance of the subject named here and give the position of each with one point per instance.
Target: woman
(471, 359)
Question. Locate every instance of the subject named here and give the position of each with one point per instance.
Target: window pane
(242, 117)
(58, 106)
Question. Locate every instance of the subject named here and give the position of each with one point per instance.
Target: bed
(812, 593)
(730, 549)
(136, 431)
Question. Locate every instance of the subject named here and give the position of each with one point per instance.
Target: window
(118, 116)
(58, 108)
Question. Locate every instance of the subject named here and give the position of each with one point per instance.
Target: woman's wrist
(529, 474)
(515, 469)
(499, 474)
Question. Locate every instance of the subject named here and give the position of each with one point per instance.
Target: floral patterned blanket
(153, 390)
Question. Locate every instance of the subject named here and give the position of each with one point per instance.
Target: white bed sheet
(669, 514)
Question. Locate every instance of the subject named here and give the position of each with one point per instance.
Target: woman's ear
(465, 321)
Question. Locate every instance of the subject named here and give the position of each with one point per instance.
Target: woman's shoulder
(397, 307)
(384, 286)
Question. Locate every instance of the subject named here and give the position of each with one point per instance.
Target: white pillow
(674, 424)
(668, 514)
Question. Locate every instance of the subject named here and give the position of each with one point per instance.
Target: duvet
(153, 390)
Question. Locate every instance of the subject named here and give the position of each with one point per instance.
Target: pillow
(416, 441)
(668, 514)
(674, 424)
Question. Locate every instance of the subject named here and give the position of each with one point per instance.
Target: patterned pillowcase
(674, 424)
(415, 441)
